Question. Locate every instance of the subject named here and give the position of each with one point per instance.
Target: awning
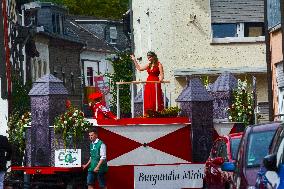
(217, 71)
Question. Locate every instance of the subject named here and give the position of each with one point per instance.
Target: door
(91, 69)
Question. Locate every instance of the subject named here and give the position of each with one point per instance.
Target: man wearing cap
(100, 112)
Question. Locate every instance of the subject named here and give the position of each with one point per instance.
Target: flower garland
(168, 112)
(16, 129)
(72, 126)
(242, 109)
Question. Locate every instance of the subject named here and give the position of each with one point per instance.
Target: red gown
(150, 90)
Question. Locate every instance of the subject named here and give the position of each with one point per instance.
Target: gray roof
(194, 91)
(92, 41)
(225, 82)
(48, 85)
(92, 19)
(37, 5)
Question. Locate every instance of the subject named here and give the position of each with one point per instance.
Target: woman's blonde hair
(155, 58)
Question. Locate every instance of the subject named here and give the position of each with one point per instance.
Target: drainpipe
(7, 53)
(268, 61)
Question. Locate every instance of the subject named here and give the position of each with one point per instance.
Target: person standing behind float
(100, 112)
(5, 155)
(155, 73)
(97, 163)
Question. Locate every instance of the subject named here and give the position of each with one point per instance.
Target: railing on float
(132, 83)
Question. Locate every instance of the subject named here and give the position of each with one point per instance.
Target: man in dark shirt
(5, 155)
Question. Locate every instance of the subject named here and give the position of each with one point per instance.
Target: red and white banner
(142, 145)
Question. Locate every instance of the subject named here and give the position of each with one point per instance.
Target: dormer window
(57, 23)
(53, 23)
(113, 35)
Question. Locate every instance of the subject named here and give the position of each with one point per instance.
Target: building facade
(58, 51)
(275, 58)
(202, 38)
(75, 49)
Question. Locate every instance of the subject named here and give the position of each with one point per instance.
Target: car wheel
(204, 186)
(228, 186)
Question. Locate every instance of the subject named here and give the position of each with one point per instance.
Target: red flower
(68, 104)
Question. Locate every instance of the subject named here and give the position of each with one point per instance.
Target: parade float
(142, 152)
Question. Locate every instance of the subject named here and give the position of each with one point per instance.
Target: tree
(123, 71)
(113, 9)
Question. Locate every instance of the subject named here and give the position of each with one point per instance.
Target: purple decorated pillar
(222, 90)
(48, 97)
(197, 104)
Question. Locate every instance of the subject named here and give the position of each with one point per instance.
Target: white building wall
(180, 43)
(3, 115)
(40, 65)
(105, 66)
(92, 56)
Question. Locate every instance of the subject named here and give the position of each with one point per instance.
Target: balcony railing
(131, 84)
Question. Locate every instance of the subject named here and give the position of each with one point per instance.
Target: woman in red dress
(155, 73)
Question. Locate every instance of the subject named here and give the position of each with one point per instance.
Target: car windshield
(234, 147)
(258, 147)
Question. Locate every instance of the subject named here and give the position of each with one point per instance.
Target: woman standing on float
(155, 73)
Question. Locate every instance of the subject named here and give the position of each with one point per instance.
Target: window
(224, 30)
(281, 102)
(72, 81)
(234, 147)
(44, 67)
(250, 29)
(57, 24)
(113, 35)
(90, 76)
(53, 23)
(222, 150)
(39, 69)
(254, 153)
(253, 29)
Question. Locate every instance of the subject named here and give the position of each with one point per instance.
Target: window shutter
(237, 11)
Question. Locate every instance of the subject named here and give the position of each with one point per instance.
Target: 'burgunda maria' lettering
(192, 174)
(172, 176)
(158, 177)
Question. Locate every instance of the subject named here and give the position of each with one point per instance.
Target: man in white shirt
(97, 163)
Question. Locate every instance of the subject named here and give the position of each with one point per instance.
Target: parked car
(253, 147)
(224, 150)
(272, 174)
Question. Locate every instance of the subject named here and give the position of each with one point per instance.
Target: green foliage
(168, 112)
(98, 8)
(71, 126)
(242, 109)
(205, 80)
(16, 129)
(20, 97)
(123, 71)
